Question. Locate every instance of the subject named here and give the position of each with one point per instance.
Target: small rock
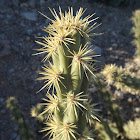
(130, 100)
(28, 38)
(110, 48)
(15, 127)
(114, 34)
(15, 48)
(34, 67)
(15, 2)
(13, 136)
(74, 1)
(112, 40)
(3, 111)
(114, 45)
(8, 16)
(96, 49)
(31, 86)
(22, 24)
(137, 110)
(42, 2)
(11, 70)
(2, 101)
(119, 95)
(47, 21)
(32, 3)
(39, 34)
(30, 15)
(18, 138)
(29, 31)
(4, 48)
(37, 24)
(131, 42)
(2, 2)
(19, 75)
(24, 5)
(1, 16)
(92, 90)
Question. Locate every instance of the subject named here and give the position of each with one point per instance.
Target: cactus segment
(77, 40)
(84, 57)
(55, 59)
(63, 59)
(74, 102)
(76, 74)
(85, 83)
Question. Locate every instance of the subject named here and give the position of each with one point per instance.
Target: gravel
(21, 24)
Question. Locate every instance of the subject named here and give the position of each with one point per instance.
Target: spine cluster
(132, 129)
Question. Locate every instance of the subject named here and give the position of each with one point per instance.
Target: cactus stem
(84, 57)
(72, 59)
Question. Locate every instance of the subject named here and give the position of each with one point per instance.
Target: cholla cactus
(136, 31)
(68, 74)
(122, 79)
(23, 127)
(132, 129)
(112, 107)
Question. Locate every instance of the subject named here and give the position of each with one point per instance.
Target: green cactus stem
(69, 74)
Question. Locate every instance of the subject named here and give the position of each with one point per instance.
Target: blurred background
(21, 23)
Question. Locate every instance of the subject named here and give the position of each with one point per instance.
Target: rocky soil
(21, 23)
